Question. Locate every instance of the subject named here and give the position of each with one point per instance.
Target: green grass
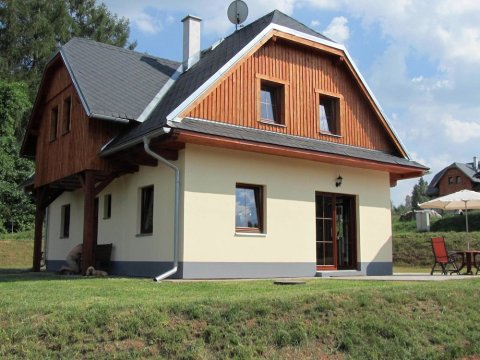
(16, 250)
(45, 316)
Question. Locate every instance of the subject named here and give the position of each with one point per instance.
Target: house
(264, 155)
(455, 177)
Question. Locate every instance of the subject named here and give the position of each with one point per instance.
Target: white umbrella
(461, 200)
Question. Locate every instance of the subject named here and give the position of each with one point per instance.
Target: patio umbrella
(460, 200)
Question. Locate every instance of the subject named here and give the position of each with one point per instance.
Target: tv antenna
(237, 12)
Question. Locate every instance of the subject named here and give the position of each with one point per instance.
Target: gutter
(146, 143)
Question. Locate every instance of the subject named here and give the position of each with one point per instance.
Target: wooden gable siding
(305, 73)
(76, 150)
(444, 188)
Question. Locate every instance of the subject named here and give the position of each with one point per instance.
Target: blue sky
(421, 58)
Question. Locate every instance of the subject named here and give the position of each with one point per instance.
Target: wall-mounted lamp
(338, 181)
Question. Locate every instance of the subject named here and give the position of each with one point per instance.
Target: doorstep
(338, 273)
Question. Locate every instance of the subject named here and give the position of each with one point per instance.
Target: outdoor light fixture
(338, 181)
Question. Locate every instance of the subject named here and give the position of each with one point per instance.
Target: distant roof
(112, 81)
(466, 168)
(297, 142)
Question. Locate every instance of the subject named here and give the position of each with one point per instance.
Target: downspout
(146, 143)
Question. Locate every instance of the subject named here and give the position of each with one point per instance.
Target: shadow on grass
(11, 275)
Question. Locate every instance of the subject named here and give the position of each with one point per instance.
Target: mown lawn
(46, 316)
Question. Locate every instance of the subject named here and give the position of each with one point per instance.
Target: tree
(419, 193)
(15, 205)
(31, 31)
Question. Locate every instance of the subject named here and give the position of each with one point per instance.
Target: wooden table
(468, 258)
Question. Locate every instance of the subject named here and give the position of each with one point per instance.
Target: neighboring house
(455, 177)
(285, 160)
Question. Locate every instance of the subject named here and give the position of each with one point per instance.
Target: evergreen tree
(419, 193)
(31, 31)
(14, 204)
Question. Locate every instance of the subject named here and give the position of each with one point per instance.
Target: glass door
(335, 227)
(325, 222)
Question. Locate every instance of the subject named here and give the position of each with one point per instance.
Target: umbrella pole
(466, 224)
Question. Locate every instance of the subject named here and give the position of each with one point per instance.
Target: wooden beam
(88, 255)
(39, 216)
(104, 183)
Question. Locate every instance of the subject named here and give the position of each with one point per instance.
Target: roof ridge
(117, 48)
(276, 12)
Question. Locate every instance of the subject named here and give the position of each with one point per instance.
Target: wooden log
(88, 255)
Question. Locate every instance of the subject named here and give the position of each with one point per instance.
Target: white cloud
(338, 30)
(146, 23)
(315, 23)
(461, 131)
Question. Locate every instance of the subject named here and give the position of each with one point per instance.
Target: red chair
(442, 257)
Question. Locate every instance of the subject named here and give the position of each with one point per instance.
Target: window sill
(329, 134)
(265, 122)
(64, 237)
(107, 218)
(250, 234)
(144, 235)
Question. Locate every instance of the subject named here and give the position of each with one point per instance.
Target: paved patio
(405, 277)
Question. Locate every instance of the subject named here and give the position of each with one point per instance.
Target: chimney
(191, 41)
(475, 164)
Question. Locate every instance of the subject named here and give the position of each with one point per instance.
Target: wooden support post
(37, 239)
(88, 255)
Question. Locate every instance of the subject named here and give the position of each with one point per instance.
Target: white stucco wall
(290, 186)
(122, 228)
(207, 212)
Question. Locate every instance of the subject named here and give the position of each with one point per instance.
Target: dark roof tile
(268, 137)
(116, 82)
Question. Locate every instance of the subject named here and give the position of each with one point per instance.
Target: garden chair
(442, 257)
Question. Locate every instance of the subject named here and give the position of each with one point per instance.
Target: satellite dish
(237, 12)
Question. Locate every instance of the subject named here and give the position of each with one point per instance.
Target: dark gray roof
(467, 168)
(210, 62)
(268, 137)
(113, 81)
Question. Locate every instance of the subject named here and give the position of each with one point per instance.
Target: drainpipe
(146, 142)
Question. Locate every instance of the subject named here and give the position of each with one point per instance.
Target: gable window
(67, 115)
(450, 179)
(269, 103)
(248, 208)
(53, 123)
(271, 100)
(459, 179)
(107, 206)
(65, 221)
(329, 114)
(146, 210)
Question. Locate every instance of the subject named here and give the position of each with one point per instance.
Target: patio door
(336, 242)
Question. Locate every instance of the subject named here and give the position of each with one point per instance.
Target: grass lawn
(47, 316)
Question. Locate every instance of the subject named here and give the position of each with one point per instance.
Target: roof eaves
(173, 116)
(75, 82)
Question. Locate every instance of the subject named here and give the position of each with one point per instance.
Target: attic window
(459, 179)
(271, 103)
(67, 115)
(450, 179)
(53, 123)
(329, 115)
